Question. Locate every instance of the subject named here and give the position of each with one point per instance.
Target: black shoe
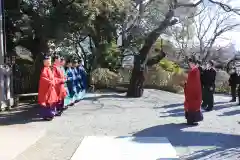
(233, 100)
(48, 118)
(72, 104)
(59, 113)
(203, 107)
(65, 108)
(192, 123)
(208, 109)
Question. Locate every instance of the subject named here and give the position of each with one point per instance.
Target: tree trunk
(135, 88)
(40, 46)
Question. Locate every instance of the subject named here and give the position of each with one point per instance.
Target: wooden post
(6, 100)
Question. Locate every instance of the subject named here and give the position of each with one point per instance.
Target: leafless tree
(211, 25)
(135, 88)
(182, 35)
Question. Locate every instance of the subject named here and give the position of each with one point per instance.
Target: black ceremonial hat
(56, 56)
(211, 62)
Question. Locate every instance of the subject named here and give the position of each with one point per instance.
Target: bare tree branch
(210, 27)
(188, 4)
(225, 7)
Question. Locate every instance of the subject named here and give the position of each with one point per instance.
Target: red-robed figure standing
(193, 95)
(47, 96)
(59, 83)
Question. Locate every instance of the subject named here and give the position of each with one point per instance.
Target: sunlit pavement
(156, 114)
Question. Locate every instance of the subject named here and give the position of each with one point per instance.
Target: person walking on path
(193, 95)
(234, 80)
(83, 77)
(47, 96)
(66, 101)
(233, 84)
(59, 83)
(208, 82)
(77, 81)
(69, 100)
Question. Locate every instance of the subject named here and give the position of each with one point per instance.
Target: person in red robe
(193, 95)
(59, 83)
(47, 96)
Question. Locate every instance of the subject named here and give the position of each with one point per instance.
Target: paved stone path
(157, 113)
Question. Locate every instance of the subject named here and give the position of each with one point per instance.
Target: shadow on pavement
(174, 105)
(180, 138)
(231, 113)
(179, 112)
(217, 153)
(170, 106)
(20, 115)
(94, 98)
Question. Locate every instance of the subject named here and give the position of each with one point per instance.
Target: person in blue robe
(71, 88)
(83, 80)
(67, 100)
(77, 79)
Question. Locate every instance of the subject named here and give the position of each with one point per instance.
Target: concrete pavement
(16, 139)
(156, 114)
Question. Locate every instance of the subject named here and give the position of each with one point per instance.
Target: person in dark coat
(233, 84)
(208, 85)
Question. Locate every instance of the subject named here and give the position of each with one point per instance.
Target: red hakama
(59, 86)
(47, 97)
(193, 96)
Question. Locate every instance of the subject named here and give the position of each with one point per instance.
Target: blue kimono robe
(84, 76)
(70, 86)
(77, 77)
(83, 80)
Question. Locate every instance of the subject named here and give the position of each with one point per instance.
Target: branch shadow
(21, 115)
(180, 138)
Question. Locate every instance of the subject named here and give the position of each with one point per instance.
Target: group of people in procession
(62, 84)
(199, 89)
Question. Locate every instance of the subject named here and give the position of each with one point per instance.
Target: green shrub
(111, 57)
(223, 88)
(170, 66)
(162, 76)
(104, 78)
